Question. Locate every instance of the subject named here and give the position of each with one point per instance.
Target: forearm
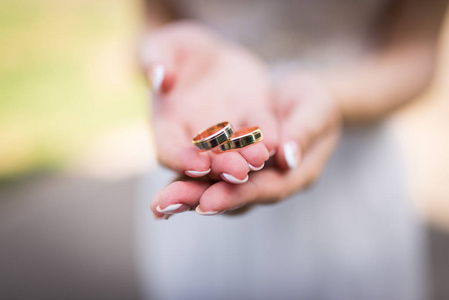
(379, 83)
(398, 69)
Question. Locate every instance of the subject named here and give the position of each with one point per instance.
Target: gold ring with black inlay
(213, 136)
(241, 139)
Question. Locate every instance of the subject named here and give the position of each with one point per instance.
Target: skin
(202, 87)
(208, 80)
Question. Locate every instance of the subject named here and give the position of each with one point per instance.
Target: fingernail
(291, 154)
(156, 78)
(231, 179)
(208, 213)
(253, 168)
(173, 209)
(164, 217)
(197, 173)
(272, 152)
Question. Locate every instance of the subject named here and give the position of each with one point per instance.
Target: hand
(309, 121)
(204, 81)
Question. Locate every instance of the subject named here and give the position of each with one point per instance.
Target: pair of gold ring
(221, 137)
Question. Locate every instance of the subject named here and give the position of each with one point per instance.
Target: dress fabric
(352, 235)
(315, 32)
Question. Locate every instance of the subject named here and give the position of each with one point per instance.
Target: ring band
(242, 138)
(213, 136)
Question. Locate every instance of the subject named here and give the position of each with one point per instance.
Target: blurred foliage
(67, 73)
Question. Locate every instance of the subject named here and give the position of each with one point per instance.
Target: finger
(307, 123)
(179, 197)
(164, 53)
(263, 186)
(154, 203)
(269, 185)
(230, 167)
(160, 77)
(256, 155)
(317, 156)
(269, 127)
(289, 153)
(158, 60)
(156, 47)
(183, 159)
(175, 150)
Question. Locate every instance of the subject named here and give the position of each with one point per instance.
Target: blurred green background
(67, 74)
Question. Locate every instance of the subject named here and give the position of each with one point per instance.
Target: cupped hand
(309, 120)
(199, 80)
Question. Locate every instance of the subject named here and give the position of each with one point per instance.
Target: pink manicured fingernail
(291, 154)
(253, 168)
(208, 213)
(173, 209)
(197, 173)
(231, 179)
(156, 78)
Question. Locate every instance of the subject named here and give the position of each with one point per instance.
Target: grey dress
(350, 236)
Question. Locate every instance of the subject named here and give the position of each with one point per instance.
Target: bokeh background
(67, 77)
(74, 139)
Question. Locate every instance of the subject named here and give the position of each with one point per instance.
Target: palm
(213, 81)
(214, 86)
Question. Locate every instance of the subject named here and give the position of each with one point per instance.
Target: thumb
(157, 59)
(160, 78)
(176, 47)
(311, 118)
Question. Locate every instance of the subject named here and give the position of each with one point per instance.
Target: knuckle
(313, 176)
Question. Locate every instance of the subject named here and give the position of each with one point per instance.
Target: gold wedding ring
(213, 136)
(242, 138)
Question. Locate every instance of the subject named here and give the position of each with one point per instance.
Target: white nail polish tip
(291, 154)
(159, 73)
(232, 179)
(164, 217)
(169, 209)
(272, 152)
(197, 173)
(207, 213)
(253, 168)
